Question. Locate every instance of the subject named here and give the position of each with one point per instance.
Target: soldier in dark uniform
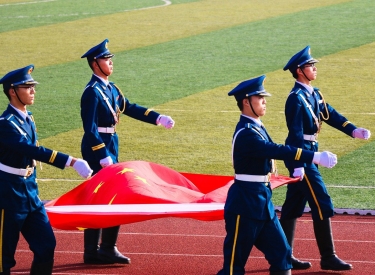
(21, 210)
(305, 110)
(250, 218)
(102, 103)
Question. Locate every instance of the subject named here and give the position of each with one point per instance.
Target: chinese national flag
(136, 191)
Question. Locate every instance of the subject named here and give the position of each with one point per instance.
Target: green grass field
(182, 59)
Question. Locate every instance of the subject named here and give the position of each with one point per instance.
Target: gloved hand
(299, 173)
(106, 161)
(361, 133)
(82, 168)
(326, 159)
(166, 121)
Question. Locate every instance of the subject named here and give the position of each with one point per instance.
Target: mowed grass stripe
(61, 43)
(201, 139)
(29, 14)
(157, 74)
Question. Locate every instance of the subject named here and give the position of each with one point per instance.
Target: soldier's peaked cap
(250, 87)
(98, 51)
(18, 77)
(299, 59)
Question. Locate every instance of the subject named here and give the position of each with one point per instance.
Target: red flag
(137, 190)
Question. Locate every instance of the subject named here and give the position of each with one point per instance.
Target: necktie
(28, 120)
(111, 94)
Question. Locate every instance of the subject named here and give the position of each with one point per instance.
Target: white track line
(177, 255)
(58, 273)
(215, 236)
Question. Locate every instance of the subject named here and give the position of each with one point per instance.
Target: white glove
(326, 159)
(361, 133)
(166, 121)
(82, 168)
(106, 161)
(299, 173)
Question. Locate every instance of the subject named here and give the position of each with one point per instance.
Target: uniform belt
(254, 178)
(107, 130)
(17, 171)
(311, 137)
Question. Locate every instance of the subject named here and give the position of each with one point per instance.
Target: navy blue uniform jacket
(96, 113)
(253, 150)
(18, 149)
(300, 121)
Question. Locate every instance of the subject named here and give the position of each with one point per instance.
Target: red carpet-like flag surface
(136, 191)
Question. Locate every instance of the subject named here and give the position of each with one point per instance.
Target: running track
(176, 246)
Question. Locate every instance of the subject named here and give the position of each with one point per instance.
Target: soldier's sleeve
(334, 118)
(294, 121)
(11, 137)
(136, 111)
(264, 149)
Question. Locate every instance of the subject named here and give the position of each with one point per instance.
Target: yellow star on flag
(142, 179)
(99, 185)
(123, 171)
(112, 199)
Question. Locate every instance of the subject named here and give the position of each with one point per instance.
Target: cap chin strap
(15, 90)
(251, 106)
(100, 68)
(305, 74)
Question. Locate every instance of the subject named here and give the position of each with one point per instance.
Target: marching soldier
(250, 218)
(102, 103)
(21, 210)
(305, 110)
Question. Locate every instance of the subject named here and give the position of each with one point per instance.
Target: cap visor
(264, 94)
(31, 82)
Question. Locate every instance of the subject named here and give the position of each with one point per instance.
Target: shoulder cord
(311, 111)
(325, 107)
(108, 104)
(121, 111)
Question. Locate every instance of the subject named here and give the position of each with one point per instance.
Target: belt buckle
(30, 170)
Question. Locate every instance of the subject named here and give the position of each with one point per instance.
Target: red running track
(176, 246)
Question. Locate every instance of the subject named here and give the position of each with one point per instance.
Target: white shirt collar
(22, 114)
(307, 87)
(106, 82)
(257, 121)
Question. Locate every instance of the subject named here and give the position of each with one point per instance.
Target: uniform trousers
(35, 228)
(266, 235)
(312, 190)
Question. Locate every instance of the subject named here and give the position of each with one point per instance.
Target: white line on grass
(237, 111)
(348, 186)
(26, 3)
(166, 3)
